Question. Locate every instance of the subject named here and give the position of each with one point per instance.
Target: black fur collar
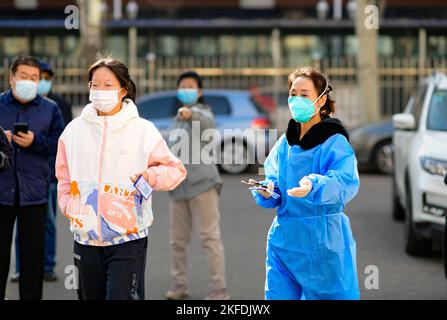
(318, 134)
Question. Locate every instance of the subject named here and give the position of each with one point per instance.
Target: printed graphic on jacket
(116, 210)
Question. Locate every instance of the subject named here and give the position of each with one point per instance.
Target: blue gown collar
(316, 135)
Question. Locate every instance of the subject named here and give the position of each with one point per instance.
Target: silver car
(232, 109)
(373, 146)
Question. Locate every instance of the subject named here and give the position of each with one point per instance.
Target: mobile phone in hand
(20, 127)
(143, 187)
(253, 184)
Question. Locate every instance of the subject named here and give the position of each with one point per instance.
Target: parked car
(232, 110)
(420, 152)
(373, 146)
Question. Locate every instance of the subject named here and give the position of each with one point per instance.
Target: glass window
(385, 46)
(118, 45)
(204, 46)
(13, 46)
(219, 105)
(228, 45)
(351, 45)
(301, 49)
(46, 46)
(164, 107)
(418, 103)
(70, 45)
(437, 112)
(168, 45)
(437, 46)
(142, 46)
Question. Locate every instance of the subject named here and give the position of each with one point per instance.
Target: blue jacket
(30, 170)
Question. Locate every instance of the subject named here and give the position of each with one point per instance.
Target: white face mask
(104, 100)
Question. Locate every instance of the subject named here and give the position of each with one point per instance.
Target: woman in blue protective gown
(311, 252)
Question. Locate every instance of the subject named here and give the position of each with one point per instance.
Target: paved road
(244, 227)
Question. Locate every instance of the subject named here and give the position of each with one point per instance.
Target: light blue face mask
(44, 87)
(26, 90)
(188, 96)
(302, 109)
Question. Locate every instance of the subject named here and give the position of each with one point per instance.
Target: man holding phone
(32, 124)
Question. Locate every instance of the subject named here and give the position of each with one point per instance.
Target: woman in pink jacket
(100, 155)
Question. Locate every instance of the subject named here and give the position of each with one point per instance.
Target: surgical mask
(302, 109)
(104, 100)
(188, 96)
(44, 87)
(26, 90)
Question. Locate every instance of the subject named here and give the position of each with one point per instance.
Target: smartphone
(253, 184)
(21, 127)
(143, 187)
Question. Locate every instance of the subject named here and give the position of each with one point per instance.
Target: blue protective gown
(311, 253)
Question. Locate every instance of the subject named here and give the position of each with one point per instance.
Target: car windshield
(437, 113)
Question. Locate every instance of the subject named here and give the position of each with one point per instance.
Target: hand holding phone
(266, 191)
(143, 187)
(252, 182)
(21, 127)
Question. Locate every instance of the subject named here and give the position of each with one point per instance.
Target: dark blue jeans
(50, 233)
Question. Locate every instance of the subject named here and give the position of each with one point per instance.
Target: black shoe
(15, 277)
(50, 276)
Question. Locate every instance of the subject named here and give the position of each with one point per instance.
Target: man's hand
(301, 191)
(24, 139)
(184, 113)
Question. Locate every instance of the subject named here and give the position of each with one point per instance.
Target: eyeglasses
(97, 84)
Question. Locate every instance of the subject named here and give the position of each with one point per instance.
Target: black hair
(190, 74)
(121, 72)
(26, 60)
(194, 75)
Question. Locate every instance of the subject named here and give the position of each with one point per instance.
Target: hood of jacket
(127, 113)
(316, 135)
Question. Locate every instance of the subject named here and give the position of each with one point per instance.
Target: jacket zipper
(101, 160)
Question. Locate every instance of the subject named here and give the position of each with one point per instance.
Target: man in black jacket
(5, 152)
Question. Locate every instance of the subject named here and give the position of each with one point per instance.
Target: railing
(398, 77)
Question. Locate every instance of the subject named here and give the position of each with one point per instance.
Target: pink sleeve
(165, 171)
(63, 177)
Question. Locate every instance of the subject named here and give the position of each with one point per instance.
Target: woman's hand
(264, 194)
(301, 191)
(136, 176)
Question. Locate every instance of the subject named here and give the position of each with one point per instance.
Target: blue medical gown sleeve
(340, 182)
(271, 173)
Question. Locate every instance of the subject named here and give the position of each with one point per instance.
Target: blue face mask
(26, 90)
(188, 96)
(302, 109)
(44, 87)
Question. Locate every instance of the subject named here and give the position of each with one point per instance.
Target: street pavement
(244, 226)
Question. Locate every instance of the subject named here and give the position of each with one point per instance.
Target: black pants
(113, 273)
(31, 225)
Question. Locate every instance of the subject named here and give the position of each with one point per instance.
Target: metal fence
(398, 78)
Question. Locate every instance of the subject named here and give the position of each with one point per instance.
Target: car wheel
(398, 210)
(414, 246)
(234, 158)
(383, 157)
